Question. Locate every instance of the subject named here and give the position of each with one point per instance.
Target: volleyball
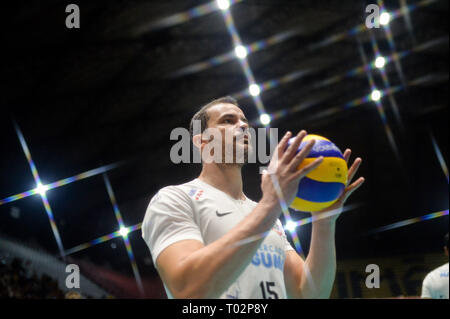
(322, 186)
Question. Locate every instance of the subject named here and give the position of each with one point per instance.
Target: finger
(353, 169)
(293, 148)
(353, 187)
(301, 156)
(347, 154)
(283, 143)
(308, 168)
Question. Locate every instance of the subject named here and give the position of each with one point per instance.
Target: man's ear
(197, 141)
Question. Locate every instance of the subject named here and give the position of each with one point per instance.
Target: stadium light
(376, 95)
(264, 119)
(123, 231)
(380, 62)
(290, 225)
(223, 4)
(240, 51)
(254, 89)
(41, 189)
(385, 18)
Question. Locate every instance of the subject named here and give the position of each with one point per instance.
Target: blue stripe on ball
(323, 148)
(319, 192)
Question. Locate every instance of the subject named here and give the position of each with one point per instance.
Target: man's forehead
(220, 109)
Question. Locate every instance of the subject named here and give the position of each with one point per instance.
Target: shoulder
(177, 192)
(170, 200)
(436, 273)
(441, 269)
(444, 267)
(428, 278)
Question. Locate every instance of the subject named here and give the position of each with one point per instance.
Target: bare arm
(314, 278)
(192, 270)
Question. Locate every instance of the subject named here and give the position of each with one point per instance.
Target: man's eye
(227, 121)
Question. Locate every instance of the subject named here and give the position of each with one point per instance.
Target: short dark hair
(446, 240)
(202, 114)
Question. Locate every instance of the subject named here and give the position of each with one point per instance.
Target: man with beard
(208, 240)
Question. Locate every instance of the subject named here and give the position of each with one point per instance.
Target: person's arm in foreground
(192, 270)
(314, 277)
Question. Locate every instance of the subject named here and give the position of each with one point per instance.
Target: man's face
(233, 126)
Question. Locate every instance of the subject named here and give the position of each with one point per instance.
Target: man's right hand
(281, 180)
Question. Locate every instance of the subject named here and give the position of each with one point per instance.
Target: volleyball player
(205, 235)
(435, 284)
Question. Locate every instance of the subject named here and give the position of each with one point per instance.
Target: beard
(237, 153)
(231, 150)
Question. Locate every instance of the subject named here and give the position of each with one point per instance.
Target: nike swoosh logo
(222, 214)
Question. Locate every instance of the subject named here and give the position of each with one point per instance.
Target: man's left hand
(349, 189)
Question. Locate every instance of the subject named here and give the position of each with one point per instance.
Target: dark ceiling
(113, 90)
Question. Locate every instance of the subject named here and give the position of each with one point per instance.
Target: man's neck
(225, 177)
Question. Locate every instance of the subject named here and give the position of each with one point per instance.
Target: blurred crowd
(16, 282)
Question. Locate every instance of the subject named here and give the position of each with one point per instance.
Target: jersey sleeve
(426, 288)
(169, 218)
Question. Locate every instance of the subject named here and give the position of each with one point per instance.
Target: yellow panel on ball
(307, 206)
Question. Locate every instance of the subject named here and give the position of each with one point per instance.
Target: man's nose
(243, 126)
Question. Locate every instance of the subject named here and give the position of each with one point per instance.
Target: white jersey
(435, 284)
(197, 210)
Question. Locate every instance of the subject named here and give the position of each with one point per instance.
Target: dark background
(106, 93)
